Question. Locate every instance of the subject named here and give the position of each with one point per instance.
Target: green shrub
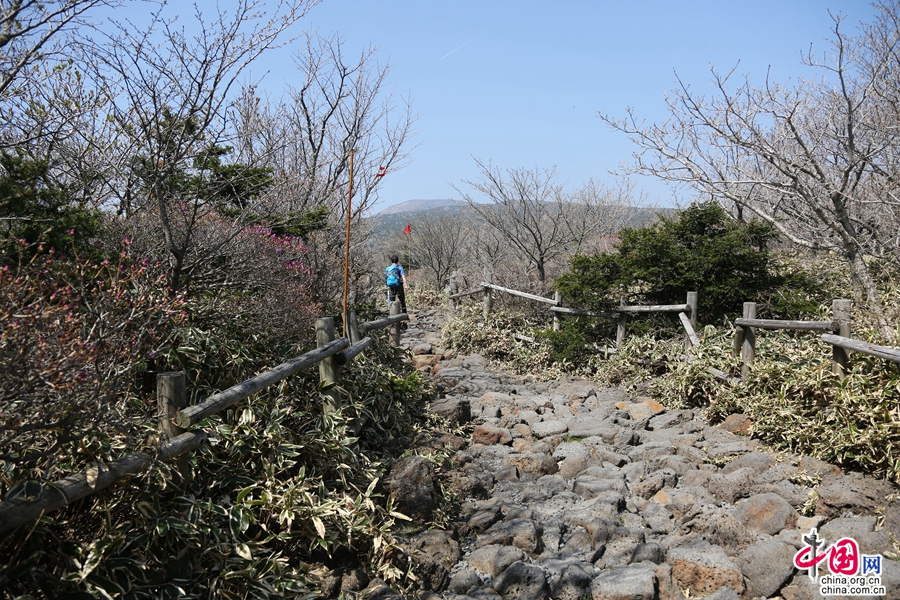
(280, 490)
(568, 344)
(35, 208)
(703, 249)
(467, 333)
(790, 394)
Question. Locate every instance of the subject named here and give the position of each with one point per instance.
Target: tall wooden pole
(347, 245)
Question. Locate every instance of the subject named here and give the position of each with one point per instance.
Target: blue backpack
(392, 275)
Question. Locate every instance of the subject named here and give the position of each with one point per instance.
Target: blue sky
(521, 82)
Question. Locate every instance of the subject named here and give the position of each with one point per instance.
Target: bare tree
(30, 32)
(171, 110)
(437, 241)
(817, 160)
(338, 105)
(538, 218)
(47, 107)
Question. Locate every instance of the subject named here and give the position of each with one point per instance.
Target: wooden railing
(745, 333)
(175, 417)
(687, 312)
(835, 332)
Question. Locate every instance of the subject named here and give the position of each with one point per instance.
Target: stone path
(572, 491)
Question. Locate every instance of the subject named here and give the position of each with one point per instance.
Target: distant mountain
(417, 206)
(394, 218)
(391, 221)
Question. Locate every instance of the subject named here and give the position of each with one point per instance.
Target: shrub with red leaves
(73, 334)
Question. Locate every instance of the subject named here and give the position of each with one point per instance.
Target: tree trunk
(862, 278)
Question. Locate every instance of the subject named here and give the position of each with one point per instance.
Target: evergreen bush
(703, 249)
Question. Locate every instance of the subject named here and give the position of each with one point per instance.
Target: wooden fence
(835, 332)
(175, 417)
(687, 312)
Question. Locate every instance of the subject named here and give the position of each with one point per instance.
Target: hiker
(395, 278)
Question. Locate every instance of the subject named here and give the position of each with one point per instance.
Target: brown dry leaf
(93, 474)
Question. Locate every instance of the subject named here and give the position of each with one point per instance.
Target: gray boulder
(631, 582)
(523, 582)
(493, 559)
(411, 482)
(766, 566)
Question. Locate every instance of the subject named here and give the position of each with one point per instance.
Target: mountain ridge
(417, 205)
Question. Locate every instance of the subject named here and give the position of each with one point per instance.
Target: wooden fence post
(395, 328)
(353, 327)
(692, 301)
(328, 368)
(487, 302)
(171, 396)
(738, 340)
(692, 317)
(622, 326)
(558, 297)
(452, 288)
(748, 348)
(840, 357)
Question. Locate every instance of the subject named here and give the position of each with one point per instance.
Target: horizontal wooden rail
(383, 322)
(53, 496)
(17, 511)
(746, 326)
(781, 324)
(471, 292)
(217, 402)
(628, 309)
(655, 308)
(582, 313)
(491, 286)
(891, 354)
(350, 353)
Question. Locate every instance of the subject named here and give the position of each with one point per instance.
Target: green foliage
(280, 489)
(231, 187)
(177, 173)
(803, 286)
(703, 250)
(35, 208)
(568, 344)
(300, 224)
(795, 402)
(467, 333)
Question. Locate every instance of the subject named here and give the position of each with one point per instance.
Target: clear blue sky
(521, 82)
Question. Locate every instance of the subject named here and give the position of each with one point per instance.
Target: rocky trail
(571, 491)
